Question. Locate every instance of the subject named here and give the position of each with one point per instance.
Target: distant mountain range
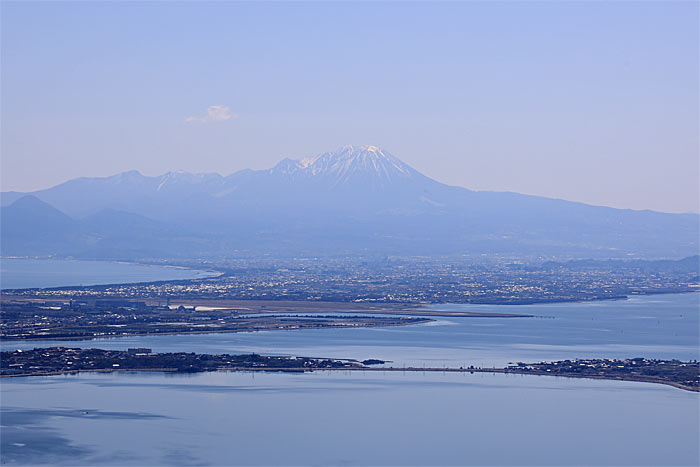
(357, 200)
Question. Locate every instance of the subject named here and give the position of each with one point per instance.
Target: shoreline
(214, 273)
(223, 331)
(211, 273)
(637, 379)
(10, 294)
(65, 360)
(274, 309)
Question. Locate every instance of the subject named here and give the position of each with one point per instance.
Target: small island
(65, 360)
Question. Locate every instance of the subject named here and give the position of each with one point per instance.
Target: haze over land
(355, 200)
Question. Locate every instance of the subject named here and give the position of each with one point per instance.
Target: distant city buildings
(396, 280)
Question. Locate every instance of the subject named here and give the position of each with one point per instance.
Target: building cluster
(81, 319)
(53, 360)
(684, 373)
(402, 280)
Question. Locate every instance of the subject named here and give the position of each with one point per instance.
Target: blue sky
(594, 101)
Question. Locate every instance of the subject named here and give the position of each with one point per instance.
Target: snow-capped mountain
(358, 198)
(352, 174)
(369, 165)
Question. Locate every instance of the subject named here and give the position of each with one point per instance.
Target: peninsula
(25, 319)
(63, 360)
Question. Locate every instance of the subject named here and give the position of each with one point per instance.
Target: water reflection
(377, 418)
(346, 419)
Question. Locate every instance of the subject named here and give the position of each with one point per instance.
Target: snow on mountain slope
(350, 164)
(351, 160)
(363, 192)
(352, 173)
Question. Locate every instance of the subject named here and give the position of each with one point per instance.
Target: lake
(24, 273)
(375, 418)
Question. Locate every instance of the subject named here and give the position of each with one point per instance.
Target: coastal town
(684, 375)
(61, 360)
(405, 280)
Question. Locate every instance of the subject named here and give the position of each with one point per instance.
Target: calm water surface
(663, 326)
(375, 418)
(333, 418)
(19, 273)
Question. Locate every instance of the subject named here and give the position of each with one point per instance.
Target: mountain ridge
(354, 199)
(286, 166)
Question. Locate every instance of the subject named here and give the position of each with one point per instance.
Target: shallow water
(664, 326)
(20, 273)
(378, 418)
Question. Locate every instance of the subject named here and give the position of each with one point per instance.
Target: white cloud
(215, 113)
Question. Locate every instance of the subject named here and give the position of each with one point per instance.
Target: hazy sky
(594, 102)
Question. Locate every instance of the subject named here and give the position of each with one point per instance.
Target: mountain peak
(31, 207)
(353, 162)
(29, 202)
(363, 150)
(368, 148)
(368, 164)
(128, 175)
